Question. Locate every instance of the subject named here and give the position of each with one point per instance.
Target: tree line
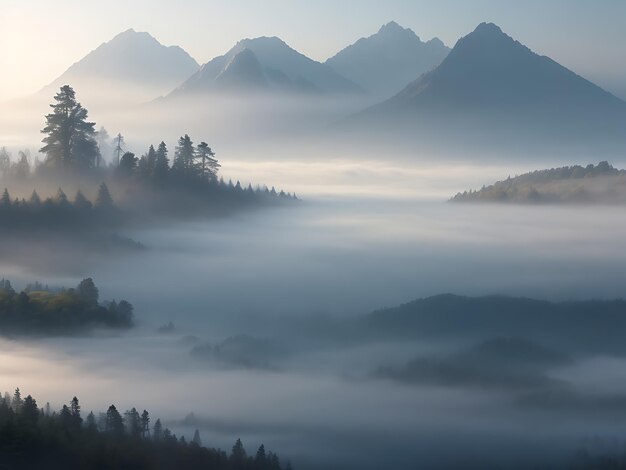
(72, 143)
(37, 437)
(58, 211)
(62, 312)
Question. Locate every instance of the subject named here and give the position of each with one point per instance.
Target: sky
(40, 39)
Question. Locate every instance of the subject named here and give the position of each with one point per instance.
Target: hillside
(572, 184)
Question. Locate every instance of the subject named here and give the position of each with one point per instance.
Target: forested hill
(39, 311)
(34, 437)
(601, 183)
(595, 325)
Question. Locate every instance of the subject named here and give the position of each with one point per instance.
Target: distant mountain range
(130, 63)
(265, 63)
(494, 87)
(386, 62)
(488, 91)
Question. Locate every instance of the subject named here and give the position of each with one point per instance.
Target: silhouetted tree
(184, 157)
(88, 292)
(128, 164)
(238, 454)
(119, 148)
(261, 459)
(161, 164)
(157, 432)
(5, 161)
(114, 423)
(17, 402)
(70, 139)
(21, 168)
(145, 424)
(81, 202)
(208, 164)
(104, 199)
(90, 422)
(196, 438)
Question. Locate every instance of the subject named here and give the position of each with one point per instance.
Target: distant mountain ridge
(265, 63)
(488, 68)
(386, 62)
(129, 62)
(492, 92)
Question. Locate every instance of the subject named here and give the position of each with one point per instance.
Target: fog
(365, 235)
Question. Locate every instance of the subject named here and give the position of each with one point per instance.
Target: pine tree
(151, 160)
(104, 145)
(145, 424)
(90, 422)
(34, 200)
(208, 164)
(238, 453)
(5, 161)
(133, 422)
(184, 157)
(196, 438)
(128, 164)
(70, 140)
(21, 169)
(114, 423)
(119, 148)
(104, 199)
(61, 198)
(5, 200)
(77, 421)
(17, 402)
(157, 433)
(260, 458)
(161, 164)
(81, 202)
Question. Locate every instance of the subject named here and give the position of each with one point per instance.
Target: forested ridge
(112, 185)
(39, 311)
(569, 184)
(34, 437)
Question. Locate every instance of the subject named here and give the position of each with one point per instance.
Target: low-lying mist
(242, 292)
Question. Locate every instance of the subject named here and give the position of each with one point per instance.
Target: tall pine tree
(70, 141)
(184, 157)
(208, 164)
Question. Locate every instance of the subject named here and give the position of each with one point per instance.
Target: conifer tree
(184, 157)
(70, 141)
(208, 164)
(104, 199)
(196, 438)
(161, 164)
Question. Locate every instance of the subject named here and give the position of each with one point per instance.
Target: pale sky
(39, 39)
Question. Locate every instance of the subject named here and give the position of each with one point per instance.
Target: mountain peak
(489, 29)
(391, 26)
(131, 59)
(388, 60)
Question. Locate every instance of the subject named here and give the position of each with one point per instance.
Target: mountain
(492, 88)
(266, 63)
(386, 62)
(132, 64)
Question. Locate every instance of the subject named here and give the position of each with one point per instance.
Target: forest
(601, 183)
(40, 311)
(34, 437)
(128, 189)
